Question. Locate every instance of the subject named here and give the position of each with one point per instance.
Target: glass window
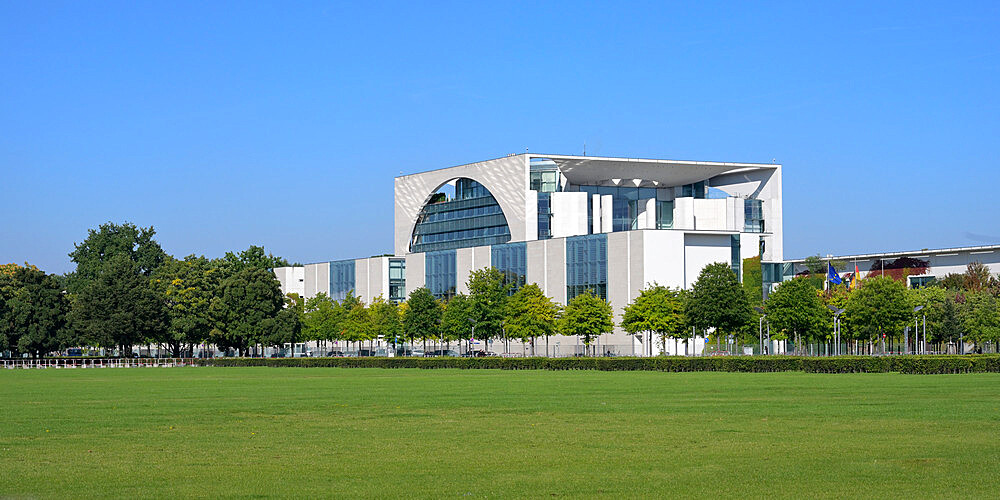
(472, 218)
(753, 216)
(341, 279)
(439, 273)
(664, 214)
(587, 265)
(734, 250)
(397, 280)
(511, 259)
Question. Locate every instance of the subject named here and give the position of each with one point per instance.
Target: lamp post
(473, 321)
(760, 328)
(836, 326)
(916, 331)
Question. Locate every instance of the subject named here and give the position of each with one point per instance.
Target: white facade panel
(607, 214)
(663, 258)
(535, 256)
(701, 250)
(414, 272)
(463, 266)
(555, 272)
(569, 214)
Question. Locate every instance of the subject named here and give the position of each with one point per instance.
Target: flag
(831, 275)
(857, 277)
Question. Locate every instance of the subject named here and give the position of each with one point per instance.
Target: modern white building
(568, 224)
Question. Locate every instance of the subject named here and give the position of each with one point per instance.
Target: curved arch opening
(460, 213)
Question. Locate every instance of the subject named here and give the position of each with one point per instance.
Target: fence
(97, 363)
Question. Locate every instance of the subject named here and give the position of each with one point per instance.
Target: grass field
(240, 432)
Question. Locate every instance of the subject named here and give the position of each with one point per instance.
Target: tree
(33, 311)
(254, 257)
(981, 317)
(795, 310)
(322, 318)
(717, 301)
(933, 299)
(455, 322)
(358, 325)
(284, 328)
(657, 309)
(423, 315)
(109, 240)
(531, 313)
(187, 288)
(950, 329)
(753, 281)
(245, 300)
(119, 308)
(386, 322)
(488, 294)
(880, 307)
(588, 317)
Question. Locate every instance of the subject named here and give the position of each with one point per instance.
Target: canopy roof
(595, 170)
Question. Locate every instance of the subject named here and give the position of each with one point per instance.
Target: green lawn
(222, 432)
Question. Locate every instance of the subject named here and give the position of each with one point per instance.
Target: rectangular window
(397, 280)
(544, 216)
(753, 216)
(734, 250)
(439, 273)
(587, 265)
(512, 260)
(920, 281)
(664, 214)
(341, 279)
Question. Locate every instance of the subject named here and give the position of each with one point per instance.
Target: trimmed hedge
(758, 364)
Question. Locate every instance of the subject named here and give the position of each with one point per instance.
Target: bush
(756, 364)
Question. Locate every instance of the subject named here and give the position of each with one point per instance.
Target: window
(753, 216)
(696, 190)
(341, 279)
(734, 252)
(440, 274)
(544, 216)
(920, 281)
(664, 214)
(587, 265)
(511, 259)
(397, 280)
(626, 204)
(472, 218)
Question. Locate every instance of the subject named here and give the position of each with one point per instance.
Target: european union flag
(831, 274)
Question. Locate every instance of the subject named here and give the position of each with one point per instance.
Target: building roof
(592, 170)
(911, 253)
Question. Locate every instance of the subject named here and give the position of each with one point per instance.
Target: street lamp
(836, 326)
(760, 328)
(916, 330)
(469, 352)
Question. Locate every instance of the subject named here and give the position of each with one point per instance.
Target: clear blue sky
(283, 124)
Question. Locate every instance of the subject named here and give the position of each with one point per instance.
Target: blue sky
(282, 124)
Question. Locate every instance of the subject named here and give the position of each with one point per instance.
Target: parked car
(442, 352)
(480, 354)
(335, 354)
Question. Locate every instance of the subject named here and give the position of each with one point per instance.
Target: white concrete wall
(710, 215)
(463, 266)
(292, 279)
(569, 214)
(317, 279)
(414, 272)
(701, 250)
(663, 258)
(684, 213)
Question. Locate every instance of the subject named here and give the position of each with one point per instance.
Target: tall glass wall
(753, 216)
(664, 214)
(512, 260)
(341, 279)
(397, 280)
(472, 218)
(544, 216)
(587, 265)
(439, 273)
(734, 251)
(624, 204)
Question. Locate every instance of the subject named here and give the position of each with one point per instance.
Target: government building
(567, 224)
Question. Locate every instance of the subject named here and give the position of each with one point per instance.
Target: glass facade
(753, 216)
(734, 254)
(512, 260)
(472, 218)
(624, 204)
(587, 265)
(341, 279)
(664, 214)
(397, 280)
(544, 216)
(439, 273)
(696, 190)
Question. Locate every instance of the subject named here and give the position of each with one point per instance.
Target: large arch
(471, 217)
(505, 178)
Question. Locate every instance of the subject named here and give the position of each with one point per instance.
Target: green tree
(981, 317)
(530, 313)
(110, 240)
(187, 288)
(33, 311)
(119, 308)
(423, 315)
(254, 257)
(245, 300)
(795, 310)
(285, 327)
(933, 300)
(588, 317)
(455, 322)
(488, 294)
(718, 301)
(753, 281)
(322, 318)
(386, 322)
(658, 310)
(950, 329)
(880, 307)
(358, 326)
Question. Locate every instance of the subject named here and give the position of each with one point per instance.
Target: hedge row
(839, 364)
